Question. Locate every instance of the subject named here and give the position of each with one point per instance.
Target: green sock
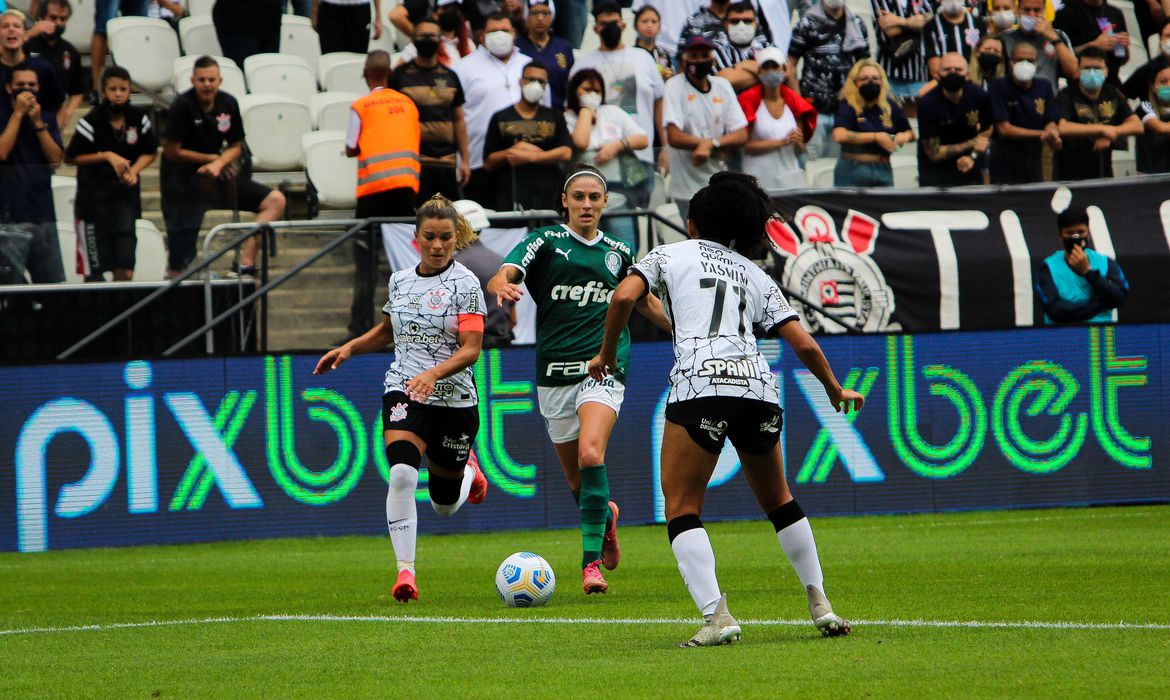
(594, 504)
(608, 511)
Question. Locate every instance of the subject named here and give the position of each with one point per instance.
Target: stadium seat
(667, 234)
(1124, 164)
(333, 175)
(150, 253)
(79, 31)
(658, 197)
(197, 36)
(146, 47)
(819, 172)
(199, 7)
(905, 169)
(298, 38)
(1137, 49)
(342, 71)
(274, 125)
(67, 240)
(276, 73)
(329, 111)
(64, 194)
(233, 78)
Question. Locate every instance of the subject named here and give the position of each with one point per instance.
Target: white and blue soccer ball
(525, 580)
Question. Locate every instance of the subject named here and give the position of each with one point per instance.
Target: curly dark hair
(733, 210)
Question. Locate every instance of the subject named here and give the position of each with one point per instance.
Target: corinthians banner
(929, 259)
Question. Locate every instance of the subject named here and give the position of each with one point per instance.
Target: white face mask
(1028, 23)
(591, 101)
(741, 34)
(834, 4)
(952, 7)
(1004, 19)
(1166, 48)
(499, 43)
(532, 92)
(1024, 71)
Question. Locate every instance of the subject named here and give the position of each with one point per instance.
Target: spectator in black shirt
(346, 26)
(46, 41)
(30, 145)
(1096, 23)
(525, 146)
(201, 146)
(1137, 85)
(1153, 146)
(954, 128)
(113, 143)
(869, 126)
(50, 95)
(438, 94)
(1093, 116)
(247, 27)
(1025, 113)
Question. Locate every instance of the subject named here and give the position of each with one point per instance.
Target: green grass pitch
(1092, 568)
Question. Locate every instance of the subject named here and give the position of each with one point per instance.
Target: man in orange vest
(384, 136)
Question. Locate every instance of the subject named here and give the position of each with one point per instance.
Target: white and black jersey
(722, 296)
(943, 37)
(426, 311)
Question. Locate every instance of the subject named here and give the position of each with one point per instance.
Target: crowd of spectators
(992, 91)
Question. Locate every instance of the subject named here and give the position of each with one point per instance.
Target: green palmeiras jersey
(572, 281)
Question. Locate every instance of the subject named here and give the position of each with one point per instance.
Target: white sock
(801, 549)
(402, 514)
(464, 489)
(696, 563)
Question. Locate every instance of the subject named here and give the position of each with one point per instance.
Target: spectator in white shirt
(605, 137)
(704, 122)
(491, 82)
(674, 14)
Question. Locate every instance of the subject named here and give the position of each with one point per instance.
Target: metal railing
(353, 228)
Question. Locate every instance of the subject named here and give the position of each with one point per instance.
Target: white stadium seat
(150, 253)
(199, 7)
(233, 78)
(64, 194)
(146, 47)
(298, 38)
(332, 173)
(342, 72)
(666, 234)
(274, 125)
(67, 240)
(329, 111)
(905, 167)
(79, 31)
(197, 36)
(819, 172)
(276, 73)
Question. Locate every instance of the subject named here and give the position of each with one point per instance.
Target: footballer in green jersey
(571, 271)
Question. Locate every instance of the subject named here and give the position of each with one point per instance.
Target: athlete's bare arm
(811, 356)
(372, 340)
(625, 298)
(650, 306)
(505, 284)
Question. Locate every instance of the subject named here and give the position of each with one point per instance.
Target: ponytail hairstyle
(439, 207)
(733, 210)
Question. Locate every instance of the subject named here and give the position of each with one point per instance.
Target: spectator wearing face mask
(1098, 24)
(525, 147)
(438, 94)
(780, 122)
(346, 25)
(1093, 116)
(30, 145)
(954, 128)
(707, 22)
(607, 138)
(45, 40)
(113, 144)
(1153, 145)
(953, 30)
(900, 27)
(648, 23)
(553, 51)
(704, 122)
(829, 40)
(870, 127)
(632, 82)
(1137, 85)
(1002, 17)
(986, 62)
(490, 76)
(1054, 51)
(736, 46)
(1077, 284)
(454, 34)
(50, 94)
(1026, 116)
(673, 16)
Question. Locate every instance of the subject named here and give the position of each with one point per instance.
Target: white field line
(970, 624)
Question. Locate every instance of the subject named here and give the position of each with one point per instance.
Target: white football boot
(827, 621)
(720, 628)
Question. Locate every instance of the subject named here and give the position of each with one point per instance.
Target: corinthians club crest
(837, 274)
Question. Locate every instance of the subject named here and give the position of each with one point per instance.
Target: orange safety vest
(388, 142)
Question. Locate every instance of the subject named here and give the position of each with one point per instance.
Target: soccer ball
(525, 580)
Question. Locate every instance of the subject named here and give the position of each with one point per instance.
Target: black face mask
(952, 82)
(115, 110)
(700, 69)
(426, 47)
(1070, 243)
(17, 92)
(611, 35)
(870, 91)
(988, 62)
(58, 31)
(450, 20)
